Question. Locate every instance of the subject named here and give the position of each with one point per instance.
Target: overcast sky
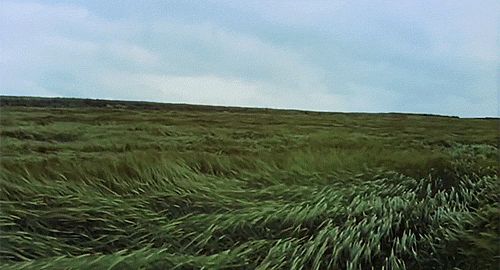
(373, 56)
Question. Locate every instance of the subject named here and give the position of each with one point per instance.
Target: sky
(438, 57)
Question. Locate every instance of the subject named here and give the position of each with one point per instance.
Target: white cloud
(237, 52)
(26, 87)
(85, 64)
(209, 89)
(182, 89)
(292, 12)
(133, 53)
(26, 12)
(367, 59)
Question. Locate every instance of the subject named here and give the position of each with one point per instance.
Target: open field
(117, 185)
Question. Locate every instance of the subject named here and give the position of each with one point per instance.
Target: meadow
(94, 184)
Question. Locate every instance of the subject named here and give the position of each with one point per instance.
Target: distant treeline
(59, 102)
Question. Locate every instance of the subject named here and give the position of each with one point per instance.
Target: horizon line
(248, 107)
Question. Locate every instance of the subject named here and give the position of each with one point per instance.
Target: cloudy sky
(374, 56)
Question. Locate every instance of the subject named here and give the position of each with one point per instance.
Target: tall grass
(136, 189)
(170, 215)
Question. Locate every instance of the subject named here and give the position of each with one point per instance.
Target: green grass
(89, 184)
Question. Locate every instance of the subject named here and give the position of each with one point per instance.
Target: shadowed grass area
(116, 185)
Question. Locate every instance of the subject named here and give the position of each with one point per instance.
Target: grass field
(89, 184)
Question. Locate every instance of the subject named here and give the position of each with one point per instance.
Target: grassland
(91, 184)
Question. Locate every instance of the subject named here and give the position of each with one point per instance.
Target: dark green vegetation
(114, 185)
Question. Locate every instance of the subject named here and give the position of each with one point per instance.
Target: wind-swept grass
(132, 188)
